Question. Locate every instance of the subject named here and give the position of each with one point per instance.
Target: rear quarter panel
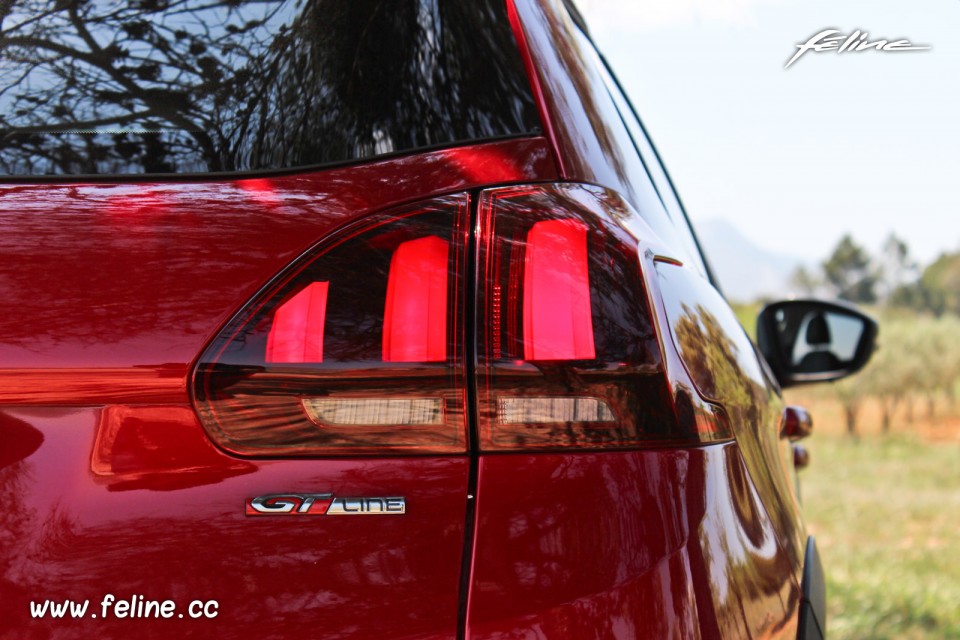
(586, 137)
(109, 483)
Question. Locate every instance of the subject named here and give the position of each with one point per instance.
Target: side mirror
(814, 341)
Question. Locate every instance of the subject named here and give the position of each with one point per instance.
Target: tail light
(356, 349)
(359, 347)
(574, 345)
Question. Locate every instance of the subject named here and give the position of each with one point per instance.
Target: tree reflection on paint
(160, 86)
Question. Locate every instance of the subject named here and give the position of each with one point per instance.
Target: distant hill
(745, 270)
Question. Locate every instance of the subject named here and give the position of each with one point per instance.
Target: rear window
(201, 86)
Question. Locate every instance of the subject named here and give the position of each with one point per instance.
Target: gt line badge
(324, 504)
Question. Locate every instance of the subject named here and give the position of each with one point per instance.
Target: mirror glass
(814, 341)
(823, 341)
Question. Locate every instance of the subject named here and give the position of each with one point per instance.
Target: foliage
(850, 272)
(892, 278)
(747, 315)
(919, 343)
(918, 356)
(140, 71)
(804, 282)
(220, 85)
(941, 282)
(936, 290)
(896, 268)
(713, 360)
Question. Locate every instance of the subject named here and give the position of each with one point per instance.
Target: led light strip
(406, 412)
(544, 410)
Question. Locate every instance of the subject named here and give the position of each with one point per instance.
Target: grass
(886, 513)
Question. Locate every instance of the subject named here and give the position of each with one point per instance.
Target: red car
(270, 265)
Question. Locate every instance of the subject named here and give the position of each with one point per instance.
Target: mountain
(746, 271)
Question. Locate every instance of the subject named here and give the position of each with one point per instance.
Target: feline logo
(324, 504)
(855, 42)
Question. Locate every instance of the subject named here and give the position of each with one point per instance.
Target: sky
(865, 143)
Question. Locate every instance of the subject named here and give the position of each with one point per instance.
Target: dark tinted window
(170, 86)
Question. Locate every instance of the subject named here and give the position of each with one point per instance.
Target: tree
(850, 272)
(944, 358)
(941, 282)
(895, 368)
(219, 85)
(910, 296)
(896, 269)
(851, 392)
(920, 355)
(804, 282)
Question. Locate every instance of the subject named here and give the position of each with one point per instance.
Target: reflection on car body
(411, 260)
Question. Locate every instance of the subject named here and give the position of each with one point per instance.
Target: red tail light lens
(296, 334)
(356, 349)
(415, 319)
(569, 350)
(557, 320)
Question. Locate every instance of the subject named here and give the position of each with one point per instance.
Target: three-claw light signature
(854, 42)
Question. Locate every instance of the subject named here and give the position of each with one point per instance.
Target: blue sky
(866, 143)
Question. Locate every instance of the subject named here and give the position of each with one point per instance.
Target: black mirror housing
(807, 341)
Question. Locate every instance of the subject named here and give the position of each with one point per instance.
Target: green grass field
(886, 513)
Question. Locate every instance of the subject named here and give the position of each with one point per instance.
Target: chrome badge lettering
(324, 504)
(367, 506)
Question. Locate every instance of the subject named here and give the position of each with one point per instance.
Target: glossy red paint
(158, 511)
(157, 447)
(530, 66)
(731, 561)
(111, 485)
(572, 97)
(594, 146)
(590, 135)
(643, 544)
(145, 274)
(725, 369)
